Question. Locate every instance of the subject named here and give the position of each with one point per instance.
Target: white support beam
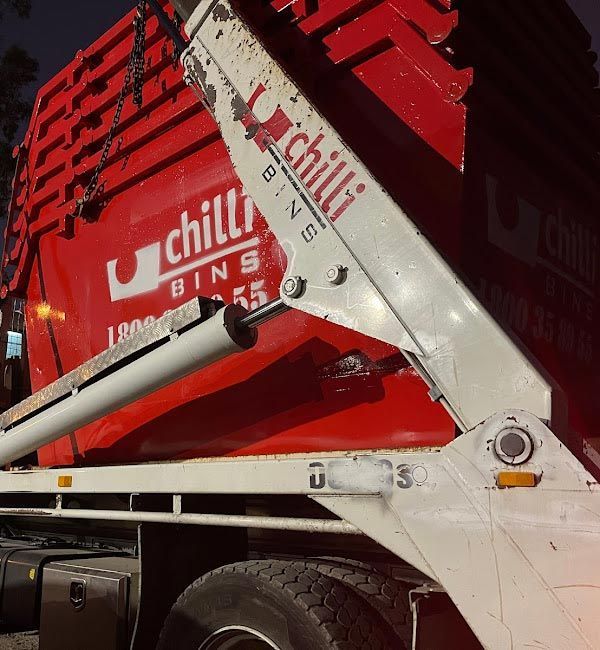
(355, 472)
(299, 524)
(521, 564)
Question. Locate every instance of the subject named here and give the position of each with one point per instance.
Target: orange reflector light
(516, 479)
(65, 481)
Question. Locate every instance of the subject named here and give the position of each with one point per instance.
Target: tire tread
(389, 597)
(345, 621)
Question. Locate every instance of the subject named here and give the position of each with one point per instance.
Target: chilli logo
(329, 178)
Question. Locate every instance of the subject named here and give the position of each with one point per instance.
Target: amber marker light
(505, 479)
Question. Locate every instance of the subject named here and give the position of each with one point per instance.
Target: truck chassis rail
(519, 563)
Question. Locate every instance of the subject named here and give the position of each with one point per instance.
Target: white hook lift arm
(354, 257)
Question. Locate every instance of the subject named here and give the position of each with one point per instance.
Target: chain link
(135, 73)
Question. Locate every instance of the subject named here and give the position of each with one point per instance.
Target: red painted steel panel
(169, 190)
(466, 154)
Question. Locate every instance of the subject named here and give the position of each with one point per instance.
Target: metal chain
(135, 73)
(137, 61)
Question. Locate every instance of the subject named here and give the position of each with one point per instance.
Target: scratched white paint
(521, 564)
(398, 288)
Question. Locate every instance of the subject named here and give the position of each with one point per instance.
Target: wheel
(388, 597)
(271, 604)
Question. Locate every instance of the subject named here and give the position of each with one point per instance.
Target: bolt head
(293, 287)
(513, 446)
(336, 274)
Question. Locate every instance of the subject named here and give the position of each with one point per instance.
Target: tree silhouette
(21, 7)
(17, 70)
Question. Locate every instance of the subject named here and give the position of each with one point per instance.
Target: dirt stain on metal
(221, 13)
(239, 108)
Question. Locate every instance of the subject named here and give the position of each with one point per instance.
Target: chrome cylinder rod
(262, 315)
(230, 331)
(179, 356)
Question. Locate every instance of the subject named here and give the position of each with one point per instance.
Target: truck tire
(388, 597)
(271, 604)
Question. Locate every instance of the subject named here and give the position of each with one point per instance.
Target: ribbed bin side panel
(171, 220)
(480, 119)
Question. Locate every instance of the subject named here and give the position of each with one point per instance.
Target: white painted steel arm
(521, 564)
(395, 286)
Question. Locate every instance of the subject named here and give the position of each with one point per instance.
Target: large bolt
(513, 446)
(336, 274)
(293, 287)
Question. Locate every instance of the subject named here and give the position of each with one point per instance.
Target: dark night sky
(58, 28)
